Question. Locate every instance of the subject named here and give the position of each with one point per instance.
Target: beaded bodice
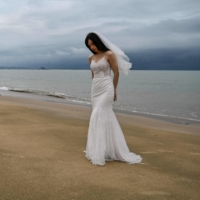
(101, 68)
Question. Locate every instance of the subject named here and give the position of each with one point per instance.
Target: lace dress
(105, 140)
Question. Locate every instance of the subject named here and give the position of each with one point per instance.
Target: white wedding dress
(105, 140)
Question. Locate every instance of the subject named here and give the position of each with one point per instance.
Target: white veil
(122, 58)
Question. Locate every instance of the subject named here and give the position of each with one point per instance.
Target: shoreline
(63, 108)
(170, 119)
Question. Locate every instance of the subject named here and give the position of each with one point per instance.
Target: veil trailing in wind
(122, 58)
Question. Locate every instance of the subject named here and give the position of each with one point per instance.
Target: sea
(171, 95)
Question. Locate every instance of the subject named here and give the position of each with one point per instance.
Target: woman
(105, 141)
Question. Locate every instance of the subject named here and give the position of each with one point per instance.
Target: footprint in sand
(156, 193)
(148, 152)
(11, 155)
(196, 154)
(160, 143)
(21, 156)
(143, 163)
(157, 143)
(165, 151)
(7, 154)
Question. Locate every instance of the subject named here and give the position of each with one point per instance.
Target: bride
(105, 141)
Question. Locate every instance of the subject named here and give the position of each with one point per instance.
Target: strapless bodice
(101, 68)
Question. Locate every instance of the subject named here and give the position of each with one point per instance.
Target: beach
(41, 155)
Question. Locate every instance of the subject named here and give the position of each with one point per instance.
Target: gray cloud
(40, 31)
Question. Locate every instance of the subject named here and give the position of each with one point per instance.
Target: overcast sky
(37, 31)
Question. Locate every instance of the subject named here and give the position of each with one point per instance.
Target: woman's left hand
(115, 96)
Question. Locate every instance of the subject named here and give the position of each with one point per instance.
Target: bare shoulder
(90, 57)
(110, 55)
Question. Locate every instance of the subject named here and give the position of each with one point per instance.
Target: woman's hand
(115, 96)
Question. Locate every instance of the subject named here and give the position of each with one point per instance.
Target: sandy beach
(41, 156)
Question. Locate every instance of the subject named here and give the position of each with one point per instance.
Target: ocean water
(174, 94)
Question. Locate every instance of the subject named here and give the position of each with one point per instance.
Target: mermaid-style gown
(105, 140)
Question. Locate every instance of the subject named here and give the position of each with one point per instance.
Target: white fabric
(105, 139)
(122, 59)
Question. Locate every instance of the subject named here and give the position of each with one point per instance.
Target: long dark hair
(96, 41)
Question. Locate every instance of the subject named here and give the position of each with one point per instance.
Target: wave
(156, 114)
(51, 94)
(4, 88)
(88, 101)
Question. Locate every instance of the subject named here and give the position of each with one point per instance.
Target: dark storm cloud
(52, 31)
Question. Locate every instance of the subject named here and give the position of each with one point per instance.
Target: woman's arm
(90, 60)
(113, 63)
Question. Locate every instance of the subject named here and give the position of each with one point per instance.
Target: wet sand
(41, 156)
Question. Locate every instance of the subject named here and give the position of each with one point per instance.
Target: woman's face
(92, 46)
